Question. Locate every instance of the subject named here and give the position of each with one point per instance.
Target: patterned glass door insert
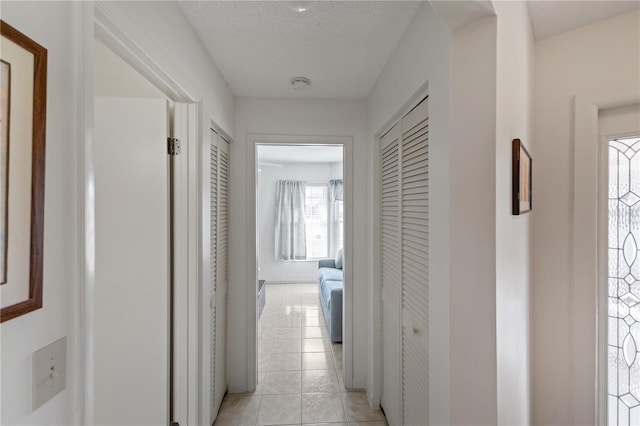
(624, 282)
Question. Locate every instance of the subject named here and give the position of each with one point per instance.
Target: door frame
(603, 274)
(253, 140)
(585, 386)
(107, 22)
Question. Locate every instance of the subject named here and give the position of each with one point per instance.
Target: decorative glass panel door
(624, 282)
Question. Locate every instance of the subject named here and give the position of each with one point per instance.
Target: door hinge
(174, 146)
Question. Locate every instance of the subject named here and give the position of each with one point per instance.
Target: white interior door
(184, 292)
(414, 214)
(222, 270)
(219, 219)
(391, 276)
(213, 275)
(131, 346)
(404, 211)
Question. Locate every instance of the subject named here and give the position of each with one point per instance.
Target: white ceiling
(549, 18)
(342, 46)
(280, 154)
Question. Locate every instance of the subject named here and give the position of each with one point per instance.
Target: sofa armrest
(326, 263)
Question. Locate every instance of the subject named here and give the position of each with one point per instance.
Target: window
(337, 227)
(315, 214)
(623, 341)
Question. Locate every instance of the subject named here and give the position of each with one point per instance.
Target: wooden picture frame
(26, 105)
(522, 177)
(5, 114)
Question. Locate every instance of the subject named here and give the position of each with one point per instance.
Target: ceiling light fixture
(300, 83)
(300, 6)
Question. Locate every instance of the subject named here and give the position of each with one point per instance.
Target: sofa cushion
(339, 257)
(327, 287)
(325, 274)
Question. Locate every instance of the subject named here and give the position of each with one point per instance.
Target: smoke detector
(300, 83)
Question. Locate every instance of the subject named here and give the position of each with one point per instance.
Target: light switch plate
(49, 372)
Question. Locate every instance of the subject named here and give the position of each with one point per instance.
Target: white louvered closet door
(404, 195)
(222, 267)
(213, 278)
(391, 288)
(415, 242)
(219, 236)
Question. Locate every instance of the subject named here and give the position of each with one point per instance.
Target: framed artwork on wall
(23, 100)
(5, 112)
(522, 174)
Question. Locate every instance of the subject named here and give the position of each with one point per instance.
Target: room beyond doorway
(290, 242)
(300, 210)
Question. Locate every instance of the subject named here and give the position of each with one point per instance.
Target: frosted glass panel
(623, 287)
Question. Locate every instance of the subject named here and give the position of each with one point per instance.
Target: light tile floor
(300, 378)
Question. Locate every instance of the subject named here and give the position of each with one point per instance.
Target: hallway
(299, 369)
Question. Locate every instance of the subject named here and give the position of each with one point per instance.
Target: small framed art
(522, 174)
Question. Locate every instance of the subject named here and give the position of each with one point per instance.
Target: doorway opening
(141, 292)
(302, 317)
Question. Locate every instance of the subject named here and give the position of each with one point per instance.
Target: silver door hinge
(174, 146)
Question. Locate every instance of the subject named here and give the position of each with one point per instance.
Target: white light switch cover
(49, 371)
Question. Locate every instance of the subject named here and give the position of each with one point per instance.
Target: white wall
(472, 248)
(620, 119)
(514, 109)
(53, 25)
(292, 117)
(114, 77)
(164, 25)
(336, 170)
(271, 269)
(603, 58)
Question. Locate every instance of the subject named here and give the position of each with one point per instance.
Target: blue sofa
(330, 280)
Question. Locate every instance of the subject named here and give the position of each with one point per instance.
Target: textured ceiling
(298, 154)
(554, 17)
(342, 46)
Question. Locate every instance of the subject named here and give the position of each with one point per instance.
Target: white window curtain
(290, 233)
(336, 219)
